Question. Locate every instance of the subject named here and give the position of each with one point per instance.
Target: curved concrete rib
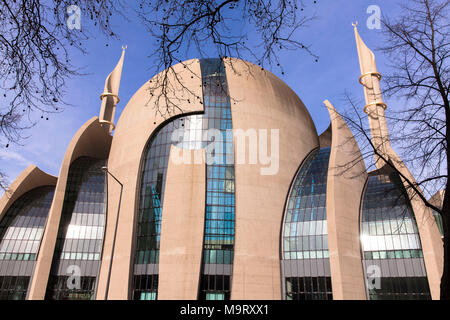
(438, 198)
(30, 178)
(137, 123)
(91, 140)
(182, 228)
(325, 137)
(346, 179)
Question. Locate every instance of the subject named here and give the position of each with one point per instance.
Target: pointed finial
(355, 24)
(111, 89)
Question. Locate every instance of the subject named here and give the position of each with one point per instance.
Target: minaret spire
(375, 106)
(110, 95)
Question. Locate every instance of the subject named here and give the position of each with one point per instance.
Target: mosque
(168, 205)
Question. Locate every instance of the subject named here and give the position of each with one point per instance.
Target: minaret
(110, 95)
(375, 106)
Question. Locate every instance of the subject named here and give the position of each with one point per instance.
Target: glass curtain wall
(392, 253)
(218, 242)
(79, 243)
(305, 258)
(153, 181)
(219, 220)
(21, 230)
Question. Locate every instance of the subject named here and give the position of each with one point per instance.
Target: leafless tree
(253, 30)
(417, 44)
(35, 58)
(36, 46)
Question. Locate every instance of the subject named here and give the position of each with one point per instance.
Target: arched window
(21, 231)
(305, 264)
(78, 250)
(392, 253)
(151, 199)
(218, 243)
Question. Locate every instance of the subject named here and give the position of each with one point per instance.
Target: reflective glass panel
(305, 235)
(218, 242)
(390, 241)
(219, 219)
(21, 230)
(79, 243)
(151, 199)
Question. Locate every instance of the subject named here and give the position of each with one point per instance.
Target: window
(218, 242)
(80, 235)
(60, 290)
(21, 230)
(305, 235)
(215, 296)
(395, 237)
(308, 288)
(219, 219)
(214, 287)
(153, 180)
(146, 287)
(13, 287)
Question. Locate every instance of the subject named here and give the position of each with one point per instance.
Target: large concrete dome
(216, 188)
(276, 218)
(259, 101)
(253, 91)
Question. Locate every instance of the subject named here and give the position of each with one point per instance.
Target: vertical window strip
(218, 242)
(21, 230)
(389, 233)
(219, 207)
(79, 243)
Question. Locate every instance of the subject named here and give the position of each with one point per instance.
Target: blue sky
(331, 37)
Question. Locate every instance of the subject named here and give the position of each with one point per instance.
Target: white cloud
(10, 155)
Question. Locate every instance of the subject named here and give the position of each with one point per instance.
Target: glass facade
(305, 257)
(21, 230)
(151, 199)
(438, 218)
(79, 243)
(390, 241)
(218, 242)
(145, 287)
(219, 220)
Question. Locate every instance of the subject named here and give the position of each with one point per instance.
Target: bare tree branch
(249, 30)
